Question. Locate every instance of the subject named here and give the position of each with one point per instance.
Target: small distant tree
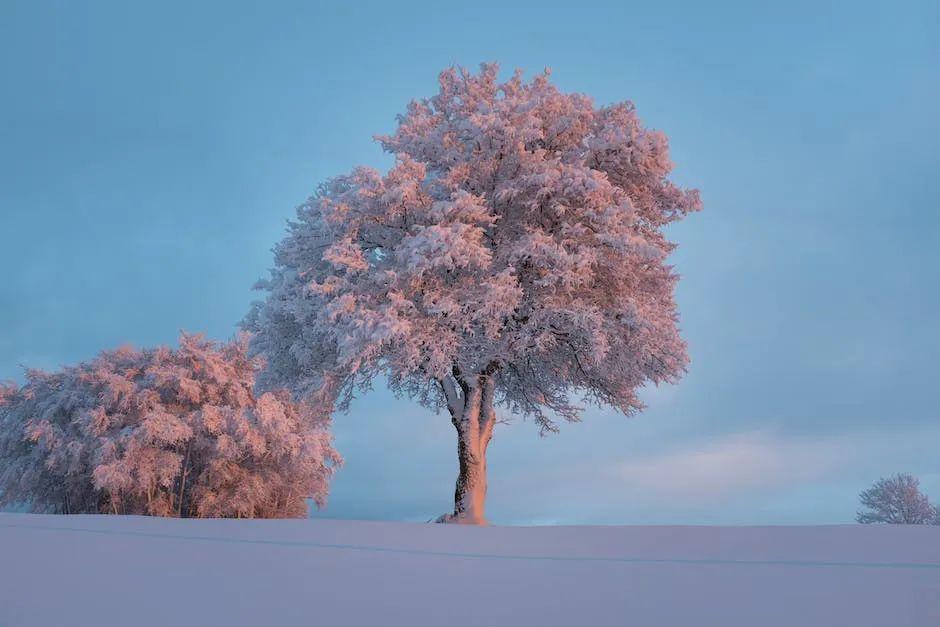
(896, 500)
(161, 432)
(515, 255)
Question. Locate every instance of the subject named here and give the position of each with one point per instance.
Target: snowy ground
(96, 571)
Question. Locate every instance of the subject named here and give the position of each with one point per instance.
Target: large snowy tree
(163, 432)
(513, 256)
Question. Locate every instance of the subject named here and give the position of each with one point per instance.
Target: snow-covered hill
(102, 571)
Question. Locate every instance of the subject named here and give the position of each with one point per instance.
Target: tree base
(463, 519)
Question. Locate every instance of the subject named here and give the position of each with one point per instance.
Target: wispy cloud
(753, 477)
(737, 465)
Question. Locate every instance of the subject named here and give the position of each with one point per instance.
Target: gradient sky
(151, 154)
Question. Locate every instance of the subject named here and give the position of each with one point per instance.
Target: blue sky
(150, 154)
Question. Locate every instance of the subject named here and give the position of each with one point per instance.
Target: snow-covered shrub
(896, 500)
(164, 432)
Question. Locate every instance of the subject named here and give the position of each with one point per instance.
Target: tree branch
(454, 402)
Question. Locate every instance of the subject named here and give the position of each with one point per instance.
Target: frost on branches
(513, 256)
(897, 500)
(162, 432)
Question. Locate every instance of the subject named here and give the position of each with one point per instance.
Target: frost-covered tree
(896, 500)
(513, 256)
(162, 432)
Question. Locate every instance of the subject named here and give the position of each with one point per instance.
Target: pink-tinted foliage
(515, 248)
(162, 432)
(897, 500)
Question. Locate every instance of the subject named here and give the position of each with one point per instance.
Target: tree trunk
(179, 512)
(473, 418)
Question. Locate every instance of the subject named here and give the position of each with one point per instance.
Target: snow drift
(101, 570)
